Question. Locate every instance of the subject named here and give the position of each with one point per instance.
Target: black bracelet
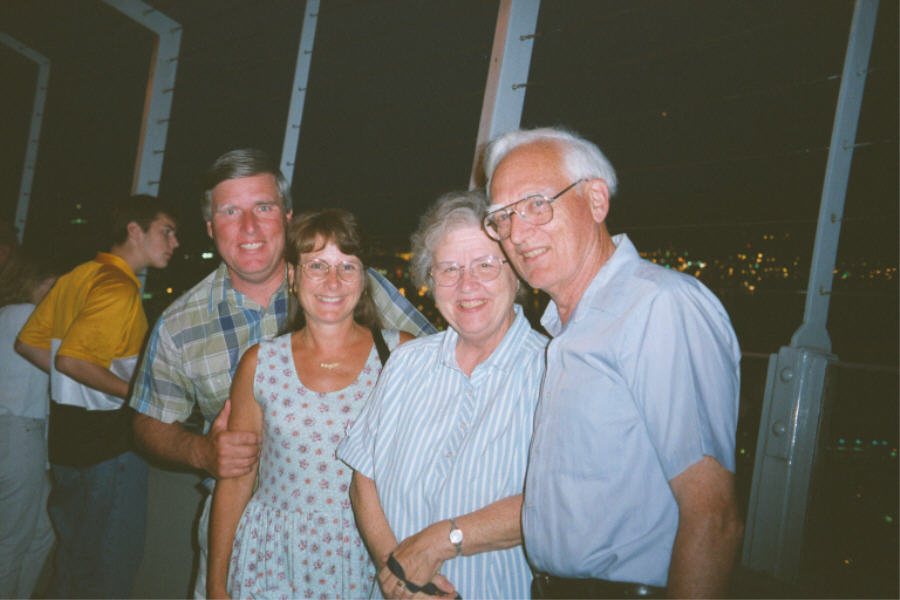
(429, 588)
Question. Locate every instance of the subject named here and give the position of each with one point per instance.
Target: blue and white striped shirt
(439, 444)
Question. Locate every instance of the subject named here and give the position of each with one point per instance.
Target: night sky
(713, 112)
(716, 114)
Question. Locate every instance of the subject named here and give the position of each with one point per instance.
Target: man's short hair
(141, 209)
(236, 164)
(581, 158)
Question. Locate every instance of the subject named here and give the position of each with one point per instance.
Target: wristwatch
(456, 537)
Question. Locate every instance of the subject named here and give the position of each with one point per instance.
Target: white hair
(451, 211)
(581, 159)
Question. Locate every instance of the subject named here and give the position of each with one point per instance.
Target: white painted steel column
(798, 375)
(34, 131)
(298, 91)
(813, 334)
(504, 93)
(160, 89)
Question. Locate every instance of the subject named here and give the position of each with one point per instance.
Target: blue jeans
(100, 516)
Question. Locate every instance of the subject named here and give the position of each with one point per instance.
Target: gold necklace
(330, 365)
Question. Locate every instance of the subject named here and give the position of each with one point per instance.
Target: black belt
(549, 586)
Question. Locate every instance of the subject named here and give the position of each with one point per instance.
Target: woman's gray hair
(581, 159)
(450, 211)
(237, 164)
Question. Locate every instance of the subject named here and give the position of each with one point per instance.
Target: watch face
(456, 536)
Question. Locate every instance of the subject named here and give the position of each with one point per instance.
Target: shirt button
(449, 455)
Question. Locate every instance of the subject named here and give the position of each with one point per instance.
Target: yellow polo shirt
(94, 313)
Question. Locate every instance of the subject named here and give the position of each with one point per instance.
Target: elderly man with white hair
(630, 484)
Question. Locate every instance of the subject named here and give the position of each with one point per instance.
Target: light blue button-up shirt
(642, 381)
(439, 444)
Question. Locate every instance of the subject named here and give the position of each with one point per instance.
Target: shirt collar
(504, 355)
(117, 261)
(625, 253)
(223, 295)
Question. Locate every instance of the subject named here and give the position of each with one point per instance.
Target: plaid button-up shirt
(196, 344)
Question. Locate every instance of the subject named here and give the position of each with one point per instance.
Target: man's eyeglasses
(318, 270)
(536, 209)
(485, 268)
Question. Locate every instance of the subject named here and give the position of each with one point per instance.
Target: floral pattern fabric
(297, 537)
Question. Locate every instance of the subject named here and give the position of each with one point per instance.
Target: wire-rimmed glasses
(483, 268)
(536, 209)
(318, 269)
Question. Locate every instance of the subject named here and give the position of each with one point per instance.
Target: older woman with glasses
(440, 450)
(296, 537)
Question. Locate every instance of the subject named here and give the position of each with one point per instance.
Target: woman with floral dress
(295, 536)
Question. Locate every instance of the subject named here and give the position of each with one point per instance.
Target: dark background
(716, 114)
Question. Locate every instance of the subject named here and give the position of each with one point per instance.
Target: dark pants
(99, 513)
(550, 587)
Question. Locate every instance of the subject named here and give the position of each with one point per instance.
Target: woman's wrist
(446, 550)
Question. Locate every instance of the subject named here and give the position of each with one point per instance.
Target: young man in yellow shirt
(87, 333)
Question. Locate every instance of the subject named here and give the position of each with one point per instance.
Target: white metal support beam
(34, 131)
(504, 93)
(298, 91)
(798, 375)
(160, 89)
(813, 333)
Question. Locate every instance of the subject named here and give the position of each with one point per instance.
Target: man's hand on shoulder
(224, 453)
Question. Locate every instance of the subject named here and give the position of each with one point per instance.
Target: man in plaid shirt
(196, 344)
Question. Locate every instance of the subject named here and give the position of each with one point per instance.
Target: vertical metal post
(812, 333)
(504, 92)
(298, 91)
(797, 378)
(34, 131)
(160, 89)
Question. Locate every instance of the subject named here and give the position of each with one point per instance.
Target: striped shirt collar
(504, 355)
